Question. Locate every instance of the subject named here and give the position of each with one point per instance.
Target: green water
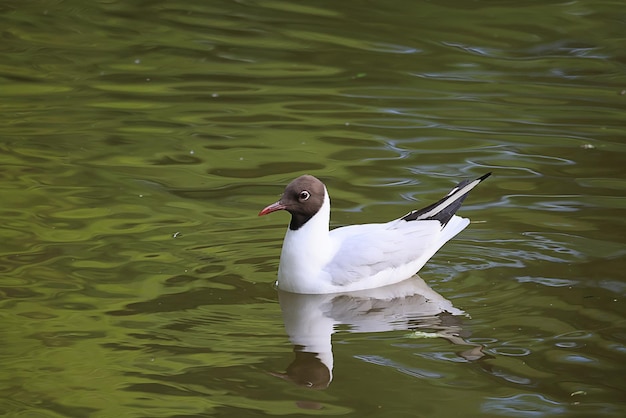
(139, 140)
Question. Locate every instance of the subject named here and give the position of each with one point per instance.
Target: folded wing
(382, 247)
(401, 245)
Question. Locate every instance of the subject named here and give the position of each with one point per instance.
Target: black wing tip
(484, 176)
(445, 215)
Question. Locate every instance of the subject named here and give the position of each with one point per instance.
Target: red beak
(272, 208)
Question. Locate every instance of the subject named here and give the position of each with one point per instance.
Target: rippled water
(139, 140)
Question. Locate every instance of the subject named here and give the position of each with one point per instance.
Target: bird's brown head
(302, 198)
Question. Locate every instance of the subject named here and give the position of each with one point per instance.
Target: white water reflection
(310, 321)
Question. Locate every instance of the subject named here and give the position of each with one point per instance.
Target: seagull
(317, 260)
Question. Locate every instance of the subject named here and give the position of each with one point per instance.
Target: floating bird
(316, 260)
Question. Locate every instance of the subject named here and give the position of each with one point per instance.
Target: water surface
(139, 141)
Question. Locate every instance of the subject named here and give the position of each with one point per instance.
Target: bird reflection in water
(411, 305)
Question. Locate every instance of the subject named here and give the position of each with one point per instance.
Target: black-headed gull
(315, 260)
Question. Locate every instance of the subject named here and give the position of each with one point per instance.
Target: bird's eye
(304, 195)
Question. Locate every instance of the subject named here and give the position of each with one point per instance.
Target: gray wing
(379, 247)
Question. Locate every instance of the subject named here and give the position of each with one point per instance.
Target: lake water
(139, 140)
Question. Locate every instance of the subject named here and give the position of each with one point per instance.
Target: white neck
(305, 251)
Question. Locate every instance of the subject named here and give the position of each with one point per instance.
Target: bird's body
(315, 260)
